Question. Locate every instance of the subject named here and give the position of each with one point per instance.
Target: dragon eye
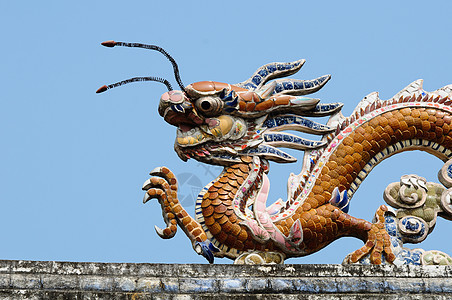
(205, 105)
(209, 106)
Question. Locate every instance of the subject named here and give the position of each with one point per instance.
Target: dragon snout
(177, 110)
(174, 97)
(173, 101)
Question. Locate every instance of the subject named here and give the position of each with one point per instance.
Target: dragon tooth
(229, 150)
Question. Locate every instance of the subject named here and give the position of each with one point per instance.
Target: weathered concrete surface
(70, 280)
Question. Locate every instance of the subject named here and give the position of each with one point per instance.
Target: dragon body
(240, 126)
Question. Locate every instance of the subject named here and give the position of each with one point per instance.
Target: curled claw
(156, 182)
(206, 249)
(155, 186)
(160, 189)
(146, 185)
(165, 173)
(163, 186)
(378, 242)
(146, 198)
(166, 233)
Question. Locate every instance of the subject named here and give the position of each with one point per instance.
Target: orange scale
(264, 105)
(203, 86)
(250, 106)
(246, 96)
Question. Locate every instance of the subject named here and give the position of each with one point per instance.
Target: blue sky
(73, 162)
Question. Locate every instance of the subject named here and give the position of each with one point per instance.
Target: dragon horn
(271, 71)
(298, 87)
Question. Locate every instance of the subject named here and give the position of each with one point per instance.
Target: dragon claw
(164, 233)
(146, 185)
(146, 197)
(206, 249)
(378, 242)
(155, 171)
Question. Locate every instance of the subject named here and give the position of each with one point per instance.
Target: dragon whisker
(292, 122)
(288, 140)
(113, 85)
(271, 71)
(271, 153)
(298, 87)
(111, 44)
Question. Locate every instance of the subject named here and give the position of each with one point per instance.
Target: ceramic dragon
(241, 127)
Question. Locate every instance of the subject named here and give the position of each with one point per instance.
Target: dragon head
(205, 130)
(217, 123)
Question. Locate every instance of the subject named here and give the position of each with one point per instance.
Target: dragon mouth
(188, 136)
(184, 127)
(226, 143)
(216, 141)
(211, 152)
(220, 129)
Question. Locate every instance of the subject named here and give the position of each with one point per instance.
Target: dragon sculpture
(240, 127)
